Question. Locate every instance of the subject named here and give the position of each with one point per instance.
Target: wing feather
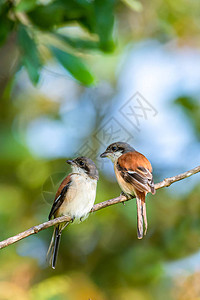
(136, 170)
(60, 195)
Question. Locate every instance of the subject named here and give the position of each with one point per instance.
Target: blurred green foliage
(30, 18)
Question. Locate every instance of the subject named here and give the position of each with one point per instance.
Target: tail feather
(56, 247)
(145, 217)
(139, 218)
(52, 253)
(141, 215)
(50, 249)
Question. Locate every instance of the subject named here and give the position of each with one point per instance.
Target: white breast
(80, 197)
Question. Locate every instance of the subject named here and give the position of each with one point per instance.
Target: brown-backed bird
(75, 198)
(134, 175)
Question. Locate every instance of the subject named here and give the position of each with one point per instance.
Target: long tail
(56, 247)
(52, 252)
(144, 211)
(141, 216)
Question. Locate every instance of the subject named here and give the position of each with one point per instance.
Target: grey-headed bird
(75, 198)
(134, 175)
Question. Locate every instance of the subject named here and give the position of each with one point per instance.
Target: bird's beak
(70, 162)
(104, 154)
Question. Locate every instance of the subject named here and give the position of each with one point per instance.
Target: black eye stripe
(114, 148)
(87, 169)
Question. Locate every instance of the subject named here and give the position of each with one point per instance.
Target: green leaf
(32, 71)
(58, 12)
(104, 23)
(6, 25)
(25, 5)
(47, 16)
(73, 65)
(78, 43)
(96, 16)
(29, 53)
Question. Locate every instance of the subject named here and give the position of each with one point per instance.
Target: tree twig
(122, 198)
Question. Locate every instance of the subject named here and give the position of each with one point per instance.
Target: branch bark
(35, 229)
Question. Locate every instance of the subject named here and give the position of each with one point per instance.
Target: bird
(75, 198)
(134, 175)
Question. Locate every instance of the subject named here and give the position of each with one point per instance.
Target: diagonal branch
(122, 198)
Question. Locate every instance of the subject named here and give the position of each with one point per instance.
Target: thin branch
(122, 198)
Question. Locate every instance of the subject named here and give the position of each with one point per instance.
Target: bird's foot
(72, 219)
(126, 195)
(123, 194)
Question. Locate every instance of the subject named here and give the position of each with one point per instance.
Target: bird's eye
(114, 148)
(81, 163)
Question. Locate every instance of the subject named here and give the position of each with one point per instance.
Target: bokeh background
(74, 77)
